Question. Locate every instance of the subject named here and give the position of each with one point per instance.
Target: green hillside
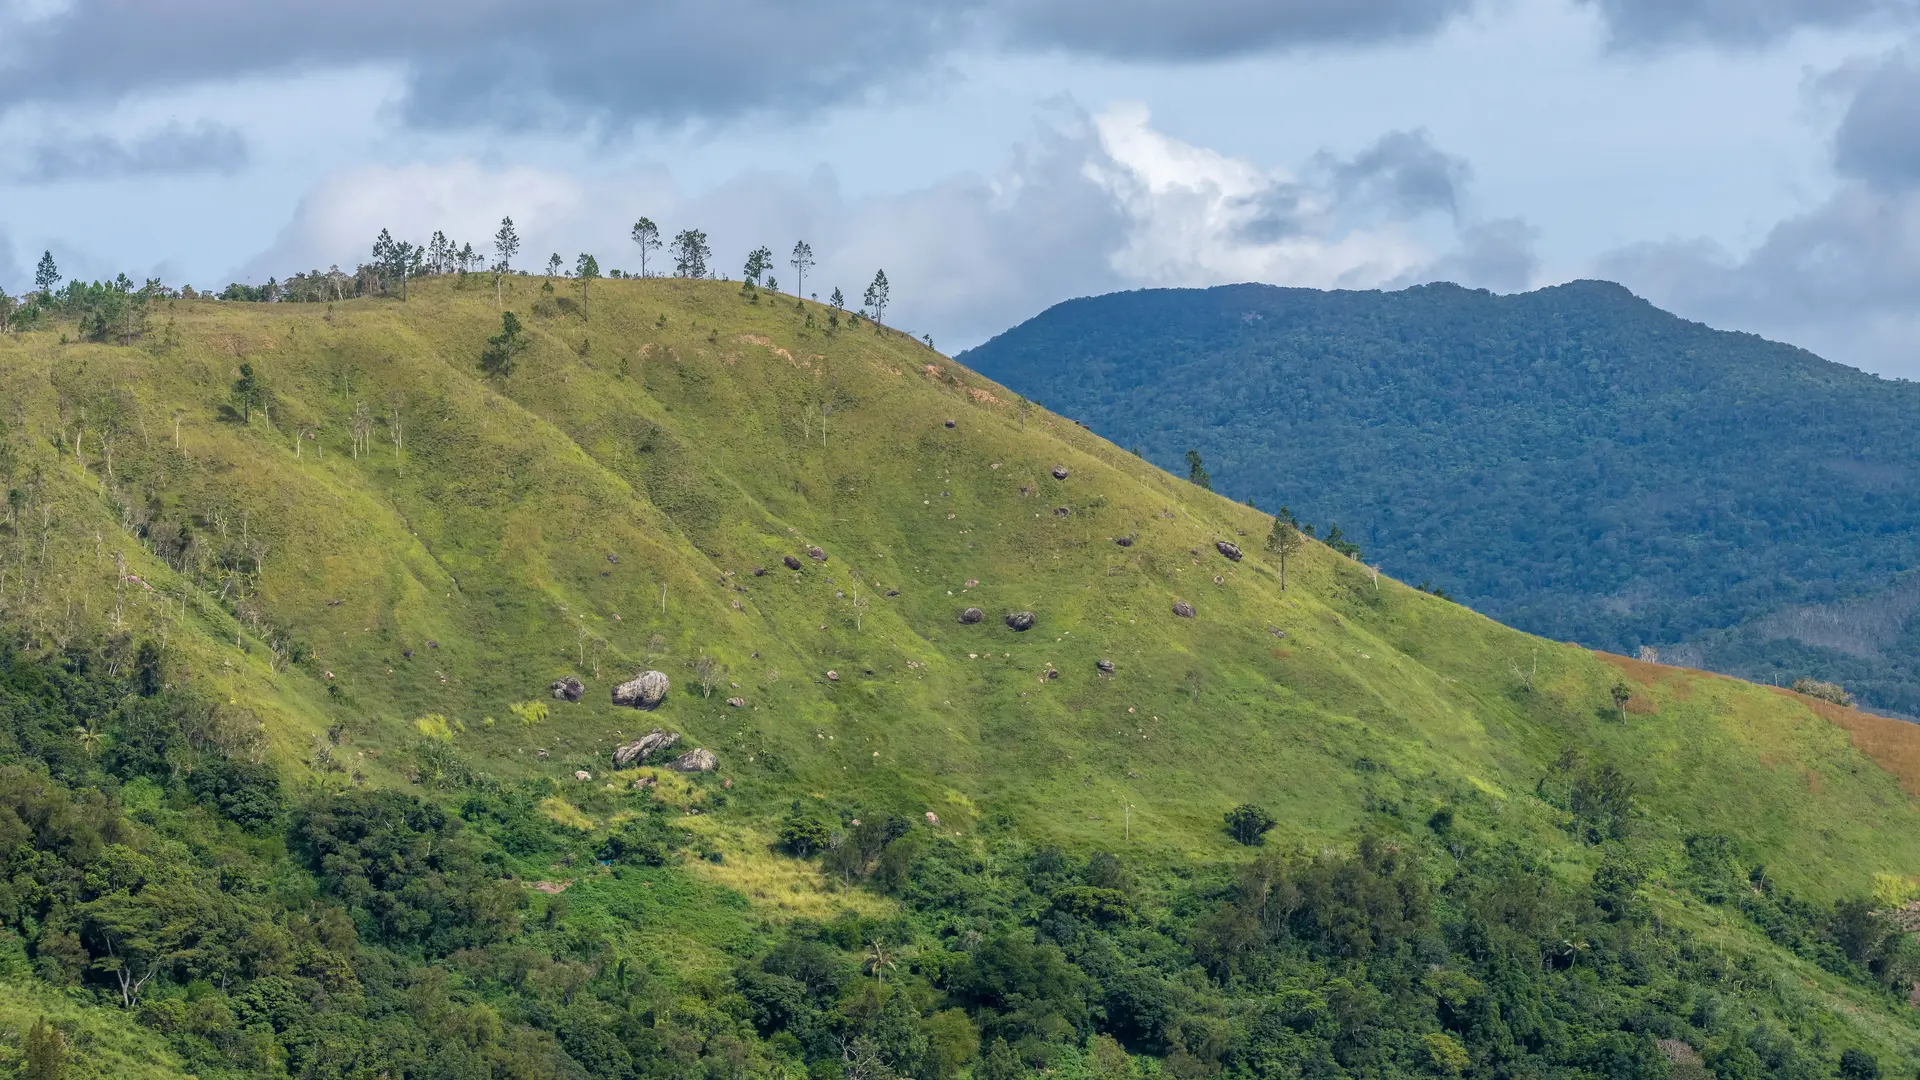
(1572, 461)
(289, 585)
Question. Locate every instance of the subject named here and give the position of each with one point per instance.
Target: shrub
(1825, 691)
(1249, 824)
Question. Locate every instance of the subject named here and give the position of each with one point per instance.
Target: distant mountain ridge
(1573, 461)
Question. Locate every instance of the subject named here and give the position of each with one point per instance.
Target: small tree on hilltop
(690, 253)
(553, 265)
(506, 244)
(838, 300)
(759, 261)
(647, 236)
(878, 296)
(1284, 541)
(1249, 824)
(802, 261)
(46, 275)
(586, 269)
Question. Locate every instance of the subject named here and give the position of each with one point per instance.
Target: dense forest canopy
(1572, 461)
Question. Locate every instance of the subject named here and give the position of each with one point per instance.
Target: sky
(1754, 164)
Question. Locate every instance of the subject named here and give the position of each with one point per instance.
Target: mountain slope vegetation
(1571, 461)
(284, 790)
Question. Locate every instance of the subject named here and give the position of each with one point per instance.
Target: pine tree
(838, 301)
(690, 253)
(1285, 540)
(506, 243)
(46, 275)
(802, 261)
(878, 296)
(248, 391)
(586, 269)
(647, 235)
(1197, 472)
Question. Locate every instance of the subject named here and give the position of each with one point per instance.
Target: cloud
(1497, 255)
(174, 150)
(1878, 140)
(606, 65)
(1742, 23)
(1087, 204)
(1211, 29)
(13, 279)
(1839, 279)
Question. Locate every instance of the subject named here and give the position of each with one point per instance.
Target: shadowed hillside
(1571, 461)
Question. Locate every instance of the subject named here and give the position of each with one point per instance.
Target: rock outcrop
(1020, 621)
(1231, 551)
(644, 691)
(790, 562)
(1183, 609)
(568, 689)
(695, 761)
(1059, 472)
(971, 615)
(627, 755)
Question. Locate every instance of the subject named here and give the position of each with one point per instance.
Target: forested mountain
(1572, 461)
(342, 642)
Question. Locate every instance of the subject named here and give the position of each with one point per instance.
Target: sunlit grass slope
(405, 538)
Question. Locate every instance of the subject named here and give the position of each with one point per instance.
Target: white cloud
(1086, 204)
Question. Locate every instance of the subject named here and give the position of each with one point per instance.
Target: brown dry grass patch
(1894, 745)
(1676, 681)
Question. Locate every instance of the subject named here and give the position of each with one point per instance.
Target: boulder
(1059, 472)
(933, 818)
(568, 689)
(833, 676)
(759, 571)
(972, 615)
(737, 702)
(644, 691)
(1183, 609)
(791, 562)
(582, 775)
(949, 423)
(695, 761)
(1231, 551)
(1061, 511)
(1020, 621)
(1123, 541)
(816, 554)
(1105, 666)
(639, 750)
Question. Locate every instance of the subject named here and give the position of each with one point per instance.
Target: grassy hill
(367, 574)
(1572, 461)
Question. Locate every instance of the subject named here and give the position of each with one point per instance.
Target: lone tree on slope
(1197, 471)
(586, 269)
(1249, 824)
(1285, 541)
(877, 297)
(647, 235)
(802, 261)
(506, 243)
(248, 391)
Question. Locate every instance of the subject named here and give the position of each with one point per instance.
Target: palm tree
(878, 961)
(89, 736)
